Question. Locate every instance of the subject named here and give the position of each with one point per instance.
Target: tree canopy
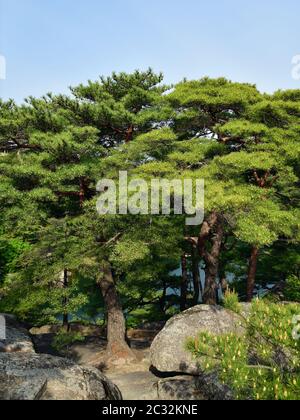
(60, 260)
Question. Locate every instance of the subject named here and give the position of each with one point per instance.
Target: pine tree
(57, 254)
(53, 161)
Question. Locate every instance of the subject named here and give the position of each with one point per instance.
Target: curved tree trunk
(252, 273)
(117, 346)
(212, 229)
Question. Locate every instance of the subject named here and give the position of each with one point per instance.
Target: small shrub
(231, 301)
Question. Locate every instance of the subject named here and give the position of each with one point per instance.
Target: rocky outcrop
(17, 337)
(25, 375)
(168, 352)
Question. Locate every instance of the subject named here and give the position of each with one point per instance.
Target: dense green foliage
(55, 149)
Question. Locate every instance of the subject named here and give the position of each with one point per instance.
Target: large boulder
(16, 336)
(168, 350)
(25, 376)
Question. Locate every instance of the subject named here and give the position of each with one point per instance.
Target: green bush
(261, 364)
(231, 301)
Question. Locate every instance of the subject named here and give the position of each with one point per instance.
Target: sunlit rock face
(168, 351)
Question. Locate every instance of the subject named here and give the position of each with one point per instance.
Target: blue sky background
(52, 44)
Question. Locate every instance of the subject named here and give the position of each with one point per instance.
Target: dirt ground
(134, 379)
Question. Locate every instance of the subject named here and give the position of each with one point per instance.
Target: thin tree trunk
(212, 227)
(129, 134)
(196, 276)
(117, 346)
(162, 302)
(184, 283)
(252, 273)
(211, 272)
(66, 324)
(82, 192)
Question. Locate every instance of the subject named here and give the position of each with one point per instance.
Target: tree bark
(82, 192)
(196, 276)
(211, 228)
(129, 134)
(184, 284)
(117, 346)
(252, 273)
(66, 323)
(162, 301)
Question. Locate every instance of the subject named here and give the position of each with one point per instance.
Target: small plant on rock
(231, 301)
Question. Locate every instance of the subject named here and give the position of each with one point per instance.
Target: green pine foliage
(54, 150)
(263, 363)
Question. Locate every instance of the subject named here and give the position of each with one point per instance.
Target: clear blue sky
(52, 44)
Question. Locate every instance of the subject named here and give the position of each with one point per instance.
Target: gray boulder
(168, 352)
(17, 338)
(25, 376)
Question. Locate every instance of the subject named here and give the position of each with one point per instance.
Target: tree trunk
(163, 299)
(82, 192)
(212, 227)
(117, 346)
(210, 288)
(184, 284)
(196, 276)
(129, 134)
(252, 273)
(66, 324)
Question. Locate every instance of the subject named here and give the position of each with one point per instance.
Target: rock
(144, 386)
(211, 387)
(45, 330)
(168, 352)
(17, 337)
(25, 376)
(86, 330)
(179, 388)
(139, 385)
